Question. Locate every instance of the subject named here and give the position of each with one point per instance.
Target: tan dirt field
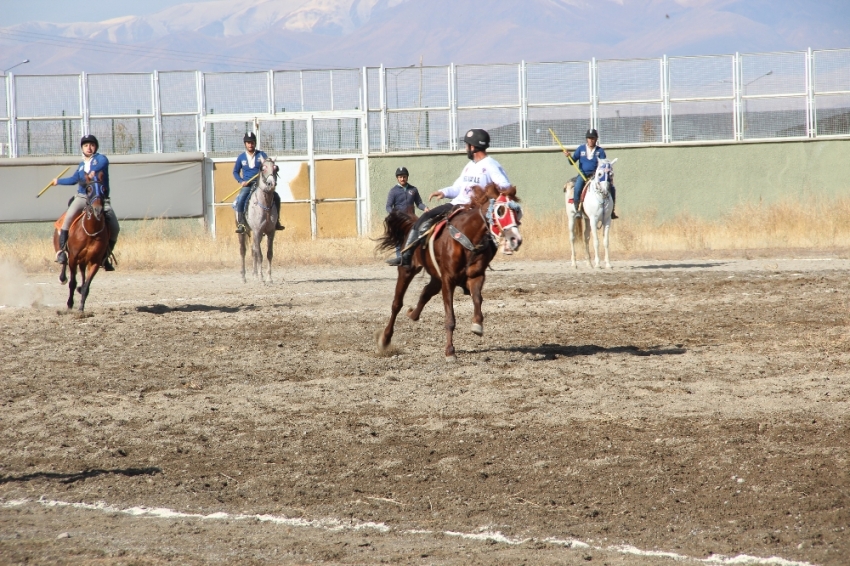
(665, 409)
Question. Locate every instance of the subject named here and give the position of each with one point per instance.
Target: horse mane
(482, 196)
(396, 226)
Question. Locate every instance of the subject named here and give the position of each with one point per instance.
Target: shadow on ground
(164, 309)
(74, 477)
(550, 351)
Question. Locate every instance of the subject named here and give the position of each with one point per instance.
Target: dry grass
(751, 230)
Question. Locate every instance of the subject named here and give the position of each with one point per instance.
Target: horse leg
(448, 303)
(595, 229)
(405, 276)
(257, 254)
(72, 282)
(270, 252)
(571, 222)
(475, 285)
(606, 228)
(242, 250)
(431, 289)
(87, 279)
(587, 234)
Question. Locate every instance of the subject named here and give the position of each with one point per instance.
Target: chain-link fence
(719, 98)
(831, 91)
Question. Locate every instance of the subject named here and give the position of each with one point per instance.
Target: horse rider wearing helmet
(587, 157)
(403, 197)
(94, 168)
(245, 171)
(480, 171)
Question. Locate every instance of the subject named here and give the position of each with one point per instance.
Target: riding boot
(407, 254)
(240, 222)
(107, 265)
(61, 256)
(278, 226)
(614, 214)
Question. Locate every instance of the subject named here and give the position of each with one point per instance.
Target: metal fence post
(811, 110)
(13, 115)
(202, 105)
(738, 105)
(453, 111)
(666, 122)
(84, 102)
(311, 160)
(271, 105)
(382, 85)
(594, 94)
(523, 106)
(157, 109)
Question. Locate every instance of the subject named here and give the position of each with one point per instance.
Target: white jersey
(481, 174)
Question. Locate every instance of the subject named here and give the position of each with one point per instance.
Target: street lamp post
(15, 65)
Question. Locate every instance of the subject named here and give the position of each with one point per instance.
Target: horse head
(94, 198)
(268, 175)
(603, 177)
(504, 214)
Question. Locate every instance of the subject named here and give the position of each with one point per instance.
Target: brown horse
(88, 242)
(458, 253)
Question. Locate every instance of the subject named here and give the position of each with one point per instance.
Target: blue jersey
(243, 171)
(99, 165)
(587, 161)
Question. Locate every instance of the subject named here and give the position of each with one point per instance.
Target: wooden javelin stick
(50, 184)
(567, 154)
(240, 188)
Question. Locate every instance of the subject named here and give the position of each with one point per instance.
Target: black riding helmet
(477, 138)
(90, 139)
(592, 134)
(250, 137)
(401, 171)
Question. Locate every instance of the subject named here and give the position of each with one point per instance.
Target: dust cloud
(15, 289)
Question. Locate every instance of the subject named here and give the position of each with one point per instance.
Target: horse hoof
(381, 347)
(478, 329)
(451, 359)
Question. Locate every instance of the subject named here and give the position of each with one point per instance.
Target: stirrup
(61, 257)
(614, 215)
(394, 261)
(278, 227)
(240, 228)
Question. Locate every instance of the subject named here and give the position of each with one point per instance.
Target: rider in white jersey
(480, 171)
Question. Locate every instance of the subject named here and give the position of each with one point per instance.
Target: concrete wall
(703, 180)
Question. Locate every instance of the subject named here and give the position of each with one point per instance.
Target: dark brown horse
(88, 242)
(456, 255)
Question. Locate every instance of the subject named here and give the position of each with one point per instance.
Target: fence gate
(323, 182)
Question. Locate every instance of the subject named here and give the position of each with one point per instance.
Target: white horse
(262, 219)
(596, 212)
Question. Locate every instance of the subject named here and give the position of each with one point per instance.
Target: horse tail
(396, 227)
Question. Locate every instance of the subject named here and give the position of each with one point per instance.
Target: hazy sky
(69, 11)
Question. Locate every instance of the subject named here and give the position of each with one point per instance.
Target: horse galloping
(456, 256)
(87, 245)
(262, 218)
(596, 213)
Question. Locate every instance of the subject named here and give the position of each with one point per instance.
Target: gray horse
(262, 219)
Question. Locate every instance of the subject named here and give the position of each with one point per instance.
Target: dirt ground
(659, 411)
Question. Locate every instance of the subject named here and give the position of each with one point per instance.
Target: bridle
(94, 193)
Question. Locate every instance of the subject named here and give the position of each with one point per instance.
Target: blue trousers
(242, 199)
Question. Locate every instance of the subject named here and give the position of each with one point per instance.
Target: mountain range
(233, 35)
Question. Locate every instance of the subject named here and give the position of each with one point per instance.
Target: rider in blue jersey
(245, 171)
(94, 168)
(587, 157)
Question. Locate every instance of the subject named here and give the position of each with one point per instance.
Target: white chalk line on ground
(331, 524)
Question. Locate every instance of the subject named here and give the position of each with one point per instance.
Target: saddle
(58, 224)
